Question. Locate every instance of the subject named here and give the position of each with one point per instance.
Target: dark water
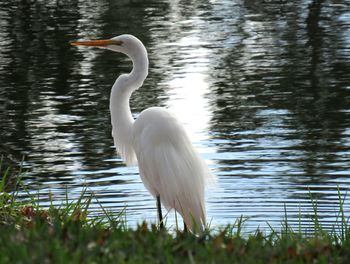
(263, 88)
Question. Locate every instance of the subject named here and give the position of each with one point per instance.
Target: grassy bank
(51, 236)
(65, 234)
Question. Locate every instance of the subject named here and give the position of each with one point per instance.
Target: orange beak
(97, 43)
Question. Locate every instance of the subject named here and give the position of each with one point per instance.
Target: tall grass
(66, 233)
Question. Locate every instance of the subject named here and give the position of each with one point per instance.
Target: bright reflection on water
(263, 91)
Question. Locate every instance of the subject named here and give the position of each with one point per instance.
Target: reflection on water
(263, 91)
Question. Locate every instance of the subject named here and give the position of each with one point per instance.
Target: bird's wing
(169, 165)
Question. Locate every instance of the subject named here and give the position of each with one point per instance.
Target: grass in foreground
(29, 234)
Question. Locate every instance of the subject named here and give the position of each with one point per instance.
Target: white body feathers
(169, 166)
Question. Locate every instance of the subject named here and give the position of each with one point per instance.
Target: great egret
(170, 168)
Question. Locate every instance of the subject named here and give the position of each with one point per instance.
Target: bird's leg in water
(161, 225)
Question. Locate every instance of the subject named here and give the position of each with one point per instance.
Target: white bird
(170, 168)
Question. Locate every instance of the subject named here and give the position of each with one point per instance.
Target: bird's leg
(185, 228)
(161, 225)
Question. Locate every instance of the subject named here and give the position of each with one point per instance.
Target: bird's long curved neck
(121, 118)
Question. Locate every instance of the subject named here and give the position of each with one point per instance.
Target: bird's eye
(117, 42)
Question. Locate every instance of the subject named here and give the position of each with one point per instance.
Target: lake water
(262, 87)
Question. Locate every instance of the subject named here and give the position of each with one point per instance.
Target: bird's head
(126, 44)
(133, 48)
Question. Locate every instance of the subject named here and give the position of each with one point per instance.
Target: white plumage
(170, 167)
